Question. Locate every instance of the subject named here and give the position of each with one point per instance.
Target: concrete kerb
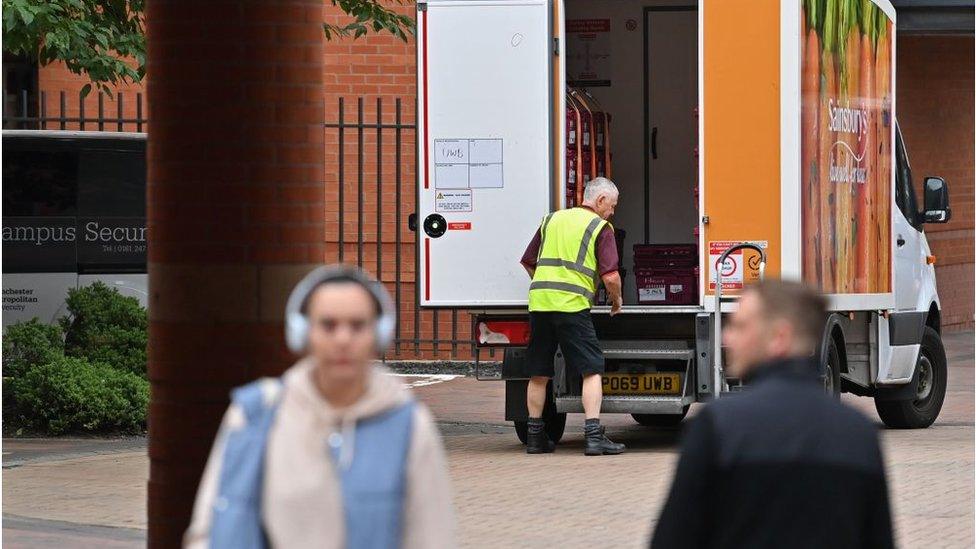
(456, 367)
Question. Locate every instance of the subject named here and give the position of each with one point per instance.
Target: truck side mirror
(936, 201)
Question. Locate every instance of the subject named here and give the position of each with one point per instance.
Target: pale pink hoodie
(302, 500)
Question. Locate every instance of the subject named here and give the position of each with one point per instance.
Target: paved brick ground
(507, 499)
(23, 533)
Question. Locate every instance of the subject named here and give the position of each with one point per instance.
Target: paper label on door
(452, 201)
(468, 164)
(651, 293)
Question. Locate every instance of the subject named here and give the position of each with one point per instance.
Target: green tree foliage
(72, 395)
(91, 37)
(97, 38)
(87, 374)
(370, 15)
(105, 326)
(28, 343)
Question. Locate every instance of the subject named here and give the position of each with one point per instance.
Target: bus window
(39, 183)
(111, 183)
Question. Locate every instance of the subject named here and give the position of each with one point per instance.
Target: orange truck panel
(741, 118)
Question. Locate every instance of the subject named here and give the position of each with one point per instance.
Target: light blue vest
(373, 485)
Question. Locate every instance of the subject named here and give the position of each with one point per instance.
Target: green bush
(106, 327)
(72, 395)
(26, 344)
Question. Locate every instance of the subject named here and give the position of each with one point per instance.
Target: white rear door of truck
(484, 147)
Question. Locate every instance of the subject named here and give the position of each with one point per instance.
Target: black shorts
(571, 332)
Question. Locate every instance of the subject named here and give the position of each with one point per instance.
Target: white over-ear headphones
(296, 322)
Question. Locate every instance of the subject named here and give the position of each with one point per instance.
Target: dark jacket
(781, 464)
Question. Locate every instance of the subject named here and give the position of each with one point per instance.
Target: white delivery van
(74, 212)
(741, 135)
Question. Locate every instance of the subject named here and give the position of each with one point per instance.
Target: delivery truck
(748, 139)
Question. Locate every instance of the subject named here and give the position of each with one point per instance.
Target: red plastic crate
(665, 256)
(670, 251)
(667, 286)
(585, 163)
(571, 129)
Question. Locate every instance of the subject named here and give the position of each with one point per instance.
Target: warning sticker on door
(588, 53)
(452, 201)
(741, 267)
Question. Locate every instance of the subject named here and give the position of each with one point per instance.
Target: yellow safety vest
(566, 273)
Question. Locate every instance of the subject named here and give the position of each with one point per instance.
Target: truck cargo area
(637, 62)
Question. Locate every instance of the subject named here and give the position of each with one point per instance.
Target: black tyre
(660, 420)
(931, 376)
(831, 369)
(555, 427)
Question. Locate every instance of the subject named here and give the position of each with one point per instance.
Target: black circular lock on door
(435, 225)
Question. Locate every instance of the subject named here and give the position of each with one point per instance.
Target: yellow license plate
(641, 384)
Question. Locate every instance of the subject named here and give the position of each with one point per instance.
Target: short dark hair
(796, 303)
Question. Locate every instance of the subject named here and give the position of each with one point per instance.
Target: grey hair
(597, 187)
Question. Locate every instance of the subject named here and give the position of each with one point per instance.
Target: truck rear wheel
(660, 420)
(831, 374)
(930, 380)
(555, 427)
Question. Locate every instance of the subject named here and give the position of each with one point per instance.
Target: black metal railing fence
(33, 112)
(375, 147)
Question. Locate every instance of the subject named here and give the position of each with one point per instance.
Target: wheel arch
(834, 331)
(934, 318)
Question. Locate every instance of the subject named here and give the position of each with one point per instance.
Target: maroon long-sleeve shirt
(607, 260)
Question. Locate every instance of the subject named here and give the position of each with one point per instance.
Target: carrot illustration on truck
(810, 123)
(885, 122)
(846, 145)
(850, 156)
(828, 93)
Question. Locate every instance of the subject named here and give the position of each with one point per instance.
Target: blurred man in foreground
(782, 464)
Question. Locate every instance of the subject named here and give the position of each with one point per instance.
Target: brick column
(236, 216)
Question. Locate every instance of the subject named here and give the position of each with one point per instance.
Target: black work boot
(597, 443)
(537, 441)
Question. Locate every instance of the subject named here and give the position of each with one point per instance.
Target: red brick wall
(935, 110)
(56, 78)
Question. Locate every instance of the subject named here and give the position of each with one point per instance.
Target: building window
(20, 92)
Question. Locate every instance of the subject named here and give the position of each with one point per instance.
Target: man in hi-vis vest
(570, 251)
